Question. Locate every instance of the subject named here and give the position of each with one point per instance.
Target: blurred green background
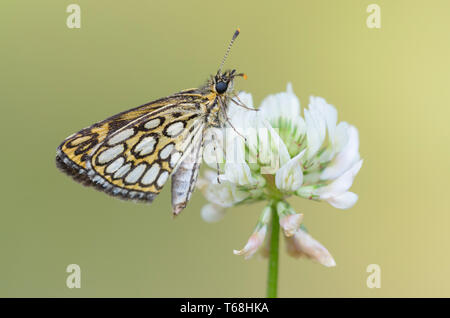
(392, 83)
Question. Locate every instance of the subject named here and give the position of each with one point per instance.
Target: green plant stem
(272, 279)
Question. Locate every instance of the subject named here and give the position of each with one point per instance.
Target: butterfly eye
(221, 87)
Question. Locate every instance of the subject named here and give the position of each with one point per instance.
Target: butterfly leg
(229, 122)
(240, 103)
(217, 158)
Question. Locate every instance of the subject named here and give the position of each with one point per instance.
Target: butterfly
(132, 154)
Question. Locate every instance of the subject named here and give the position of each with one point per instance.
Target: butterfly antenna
(236, 33)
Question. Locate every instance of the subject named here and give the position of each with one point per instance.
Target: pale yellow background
(392, 83)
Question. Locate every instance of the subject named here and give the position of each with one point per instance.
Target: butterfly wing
(131, 155)
(73, 152)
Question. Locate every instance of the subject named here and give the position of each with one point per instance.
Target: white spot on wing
(150, 176)
(115, 165)
(110, 153)
(136, 173)
(174, 129)
(123, 135)
(162, 178)
(122, 171)
(165, 152)
(152, 123)
(146, 146)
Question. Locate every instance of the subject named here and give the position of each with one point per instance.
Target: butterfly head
(223, 82)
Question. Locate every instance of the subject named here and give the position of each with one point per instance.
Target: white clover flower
(212, 212)
(290, 176)
(224, 194)
(303, 244)
(257, 238)
(275, 152)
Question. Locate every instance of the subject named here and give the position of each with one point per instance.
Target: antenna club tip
(244, 76)
(238, 30)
